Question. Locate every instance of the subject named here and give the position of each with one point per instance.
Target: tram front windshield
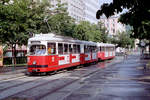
(37, 50)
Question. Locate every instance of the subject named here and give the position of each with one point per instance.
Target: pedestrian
(125, 54)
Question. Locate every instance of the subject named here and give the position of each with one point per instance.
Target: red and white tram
(50, 52)
(105, 51)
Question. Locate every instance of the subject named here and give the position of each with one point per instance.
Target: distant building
(112, 25)
(76, 9)
(91, 7)
(20, 50)
(81, 10)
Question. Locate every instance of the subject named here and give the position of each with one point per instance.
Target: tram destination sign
(35, 42)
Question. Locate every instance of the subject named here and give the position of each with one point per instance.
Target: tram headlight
(34, 62)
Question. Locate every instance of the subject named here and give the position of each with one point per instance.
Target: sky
(105, 1)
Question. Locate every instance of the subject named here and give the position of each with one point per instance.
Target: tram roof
(89, 43)
(52, 37)
(58, 38)
(105, 44)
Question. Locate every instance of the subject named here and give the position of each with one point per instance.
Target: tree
(104, 33)
(19, 18)
(59, 21)
(81, 31)
(137, 15)
(90, 32)
(123, 39)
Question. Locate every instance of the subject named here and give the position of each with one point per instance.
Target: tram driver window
(37, 50)
(51, 48)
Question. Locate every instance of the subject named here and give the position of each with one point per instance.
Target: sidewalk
(12, 70)
(12, 73)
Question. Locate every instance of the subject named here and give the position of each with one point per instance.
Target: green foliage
(104, 33)
(19, 18)
(81, 31)
(90, 32)
(60, 22)
(123, 39)
(137, 15)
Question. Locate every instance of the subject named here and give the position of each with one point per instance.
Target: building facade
(76, 9)
(112, 25)
(91, 7)
(81, 10)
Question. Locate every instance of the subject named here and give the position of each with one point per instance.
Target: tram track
(25, 83)
(75, 78)
(29, 89)
(69, 83)
(11, 79)
(16, 85)
(40, 97)
(55, 89)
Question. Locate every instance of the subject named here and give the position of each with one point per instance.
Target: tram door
(63, 54)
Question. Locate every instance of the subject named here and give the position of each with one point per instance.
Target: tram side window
(51, 48)
(70, 48)
(102, 48)
(65, 48)
(112, 48)
(78, 48)
(106, 49)
(60, 48)
(94, 49)
(85, 48)
(74, 48)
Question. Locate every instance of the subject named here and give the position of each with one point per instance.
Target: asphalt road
(118, 79)
(128, 80)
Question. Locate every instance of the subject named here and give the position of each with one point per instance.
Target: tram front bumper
(37, 68)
